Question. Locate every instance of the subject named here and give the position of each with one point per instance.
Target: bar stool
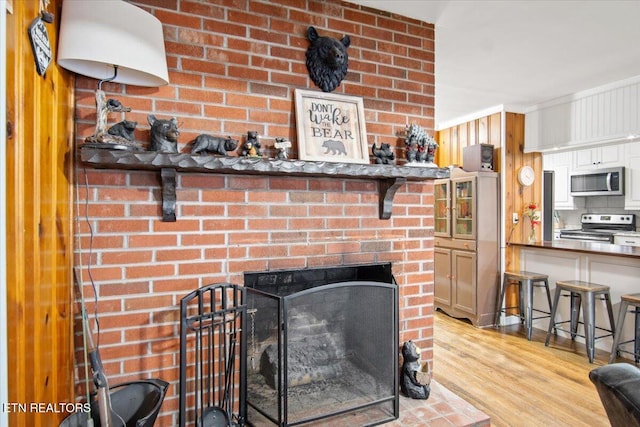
(526, 281)
(626, 301)
(580, 290)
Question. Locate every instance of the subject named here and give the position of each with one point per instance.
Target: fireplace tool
(213, 357)
(132, 403)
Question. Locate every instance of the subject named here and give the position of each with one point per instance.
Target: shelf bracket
(387, 190)
(168, 176)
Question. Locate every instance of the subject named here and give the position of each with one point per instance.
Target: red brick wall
(233, 67)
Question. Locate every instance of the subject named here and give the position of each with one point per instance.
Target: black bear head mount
(327, 60)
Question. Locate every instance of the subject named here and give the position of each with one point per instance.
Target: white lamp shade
(95, 35)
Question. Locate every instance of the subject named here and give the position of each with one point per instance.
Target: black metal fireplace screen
(322, 343)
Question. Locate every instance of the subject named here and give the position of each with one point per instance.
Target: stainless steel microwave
(598, 182)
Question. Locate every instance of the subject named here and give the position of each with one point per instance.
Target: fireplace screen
(321, 344)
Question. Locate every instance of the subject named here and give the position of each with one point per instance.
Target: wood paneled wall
(38, 211)
(508, 158)
(485, 130)
(515, 197)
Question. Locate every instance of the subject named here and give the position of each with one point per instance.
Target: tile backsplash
(597, 204)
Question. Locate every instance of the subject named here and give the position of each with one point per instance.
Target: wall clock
(526, 176)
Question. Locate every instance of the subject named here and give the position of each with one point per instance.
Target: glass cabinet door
(464, 208)
(442, 208)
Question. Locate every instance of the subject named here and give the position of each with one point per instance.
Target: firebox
(322, 345)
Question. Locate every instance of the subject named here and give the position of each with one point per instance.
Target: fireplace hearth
(322, 344)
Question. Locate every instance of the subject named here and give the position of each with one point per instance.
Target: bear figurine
(164, 134)
(124, 129)
(414, 381)
(213, 144)
(383, 155)
(327, 60)
(252, 146)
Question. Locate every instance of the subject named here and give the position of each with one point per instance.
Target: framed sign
(331, 127)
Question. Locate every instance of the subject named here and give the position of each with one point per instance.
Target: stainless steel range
(600, 227)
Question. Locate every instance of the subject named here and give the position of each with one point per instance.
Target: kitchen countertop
(585, 247)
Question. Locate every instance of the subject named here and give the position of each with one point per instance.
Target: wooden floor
(515, 381)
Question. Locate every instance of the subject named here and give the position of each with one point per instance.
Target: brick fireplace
(233, 68)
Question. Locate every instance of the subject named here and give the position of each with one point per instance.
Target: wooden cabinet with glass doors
(467, 247)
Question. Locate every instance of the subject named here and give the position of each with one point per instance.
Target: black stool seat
(526, 281)
(580, 290)
(627, 300)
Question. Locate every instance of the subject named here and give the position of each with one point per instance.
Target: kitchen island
(604, 263)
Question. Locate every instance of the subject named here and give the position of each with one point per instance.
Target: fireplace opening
(322, 343)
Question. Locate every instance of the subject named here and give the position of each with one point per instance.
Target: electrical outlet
(515, 218)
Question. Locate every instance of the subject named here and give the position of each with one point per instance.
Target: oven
(587, 236)
(600, 227)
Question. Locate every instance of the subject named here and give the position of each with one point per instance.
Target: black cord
(90, 260)
(110, 79)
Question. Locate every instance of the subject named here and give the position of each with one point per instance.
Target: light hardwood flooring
(515, 381)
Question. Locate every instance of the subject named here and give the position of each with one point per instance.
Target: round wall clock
(526, 176)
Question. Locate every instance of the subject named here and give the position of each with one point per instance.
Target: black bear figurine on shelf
(252, 146)
(164, 134)
(327, 60)
(124, 129)
(415, 378)
(213, 144)
(384, 155)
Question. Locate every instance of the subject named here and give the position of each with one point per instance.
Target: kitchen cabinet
(546, 127)
(561, 163)
(627, 239)
(632, 176)
(599, 157)
(602, 115)
(466, 253)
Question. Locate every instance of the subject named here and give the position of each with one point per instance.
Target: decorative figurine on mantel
(282, 146)
(124, 129)
(120, 136)
(415, 378)
(420, 147)
(384, 155)
(327, 60)
(204, 144)
(164, 134)
(251, 146)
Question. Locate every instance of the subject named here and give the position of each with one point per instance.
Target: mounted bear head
(327, 60)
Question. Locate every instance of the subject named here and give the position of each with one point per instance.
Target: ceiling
(519, 53)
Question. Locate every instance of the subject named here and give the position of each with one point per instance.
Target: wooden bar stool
(626, 301)
(578, 291)
(526, 281)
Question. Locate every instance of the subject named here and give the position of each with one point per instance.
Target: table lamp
(112, 41)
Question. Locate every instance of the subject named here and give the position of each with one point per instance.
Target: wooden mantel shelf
(389, 177)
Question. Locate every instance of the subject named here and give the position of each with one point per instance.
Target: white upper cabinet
(560, 163)
(632, 176)
(599, 157)
(604, 115)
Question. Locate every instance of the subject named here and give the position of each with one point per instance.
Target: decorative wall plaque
(331, 127)
(40, 45)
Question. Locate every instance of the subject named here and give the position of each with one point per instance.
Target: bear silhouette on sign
(334, 147)
(327, 60)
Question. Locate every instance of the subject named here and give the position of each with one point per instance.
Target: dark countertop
(585, 247)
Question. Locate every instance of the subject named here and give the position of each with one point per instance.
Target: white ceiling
(519, 53)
